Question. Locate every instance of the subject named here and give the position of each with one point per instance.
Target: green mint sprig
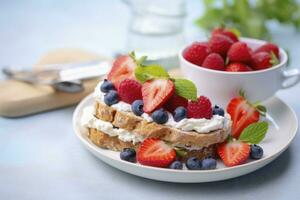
(254, 133)
(186, 89)
(183, 87)
(145, 73)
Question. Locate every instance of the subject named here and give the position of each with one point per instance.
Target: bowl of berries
(225, 64)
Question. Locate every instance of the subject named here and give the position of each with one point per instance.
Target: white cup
(221, 86)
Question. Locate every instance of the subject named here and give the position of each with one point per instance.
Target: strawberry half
(242, 114)
(234, 152)
(123, 68)
(154, 152)
(156, 92)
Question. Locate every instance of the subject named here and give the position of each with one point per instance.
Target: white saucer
(283, 128)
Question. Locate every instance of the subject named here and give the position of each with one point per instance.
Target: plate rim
(265, 160)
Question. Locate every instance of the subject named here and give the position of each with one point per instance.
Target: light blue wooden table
(40, 158)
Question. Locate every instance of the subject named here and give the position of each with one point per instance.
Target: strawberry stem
(274, 60)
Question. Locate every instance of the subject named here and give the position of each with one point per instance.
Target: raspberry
(200, 108)
(196, 53)
(220, 44)
(174, 102)
(130, 90)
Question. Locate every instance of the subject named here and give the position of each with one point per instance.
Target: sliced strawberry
(234, 152)
(130, 90)
(154, 152)
(123, 68)
(174, 102)
(156, 92)
(242, 114)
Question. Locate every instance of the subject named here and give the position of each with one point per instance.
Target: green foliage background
(250, 17)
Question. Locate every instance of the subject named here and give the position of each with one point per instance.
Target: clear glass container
(156, 29)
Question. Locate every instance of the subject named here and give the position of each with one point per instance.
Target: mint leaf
(144, 73)
(254, 133)
(180, 152)
(185, 88)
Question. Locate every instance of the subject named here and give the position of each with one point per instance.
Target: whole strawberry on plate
(243, 113)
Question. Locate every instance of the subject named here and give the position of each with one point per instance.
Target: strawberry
(219, 44)
(123, 68)
(200, 108)
(156, 92)
(263, 60)
(238, 67)
(214, 61)
(196, 53)
(268, 47)
(130, 90)
(154, 152)
(226, 32)
(174, 102)
(242, 114)
(239, 52)
(234, 152)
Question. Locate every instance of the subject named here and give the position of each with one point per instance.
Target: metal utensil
(62, 77)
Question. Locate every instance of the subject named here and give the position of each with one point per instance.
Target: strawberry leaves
(254, 133)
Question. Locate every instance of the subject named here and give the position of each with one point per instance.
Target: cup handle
(293, 75)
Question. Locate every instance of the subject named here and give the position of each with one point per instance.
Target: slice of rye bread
(113, 143)
(138, 125)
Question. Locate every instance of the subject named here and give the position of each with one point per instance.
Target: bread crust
(139, 126)
(113, 143)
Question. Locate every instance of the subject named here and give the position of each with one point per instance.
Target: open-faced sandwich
(155, 119)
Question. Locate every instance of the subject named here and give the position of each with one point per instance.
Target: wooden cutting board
(20, 99)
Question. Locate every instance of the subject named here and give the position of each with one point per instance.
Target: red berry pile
(224, 52)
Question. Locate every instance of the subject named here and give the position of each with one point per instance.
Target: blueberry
(128, 154)
(218, 111)
(107, 86)
(160, 116)
(176, 165)
(193, 163)
(256, 152)
(137, 107)
(179, 113)
(209, 163)
(111, 98)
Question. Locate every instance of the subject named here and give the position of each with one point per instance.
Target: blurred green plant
(250, 17)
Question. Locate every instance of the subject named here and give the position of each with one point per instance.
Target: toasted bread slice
(139, 126)
(113, 143)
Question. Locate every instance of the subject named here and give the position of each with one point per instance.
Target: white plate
(283, 128)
